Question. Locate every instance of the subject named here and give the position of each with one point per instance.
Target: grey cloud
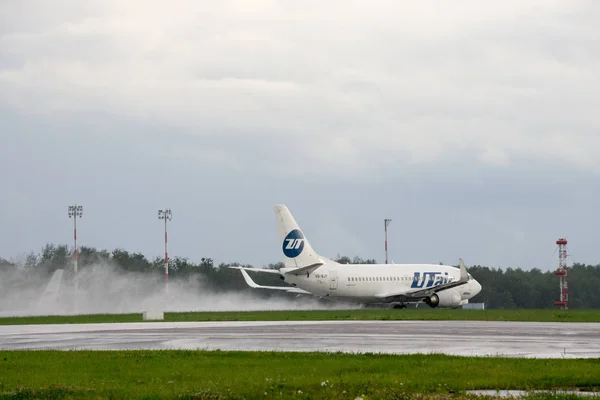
(426, 72)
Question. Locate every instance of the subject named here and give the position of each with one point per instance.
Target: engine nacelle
(445, 299)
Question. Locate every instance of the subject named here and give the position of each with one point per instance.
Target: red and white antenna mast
(562, 274)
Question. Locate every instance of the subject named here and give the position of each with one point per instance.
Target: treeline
(510, 288)
(517, 288)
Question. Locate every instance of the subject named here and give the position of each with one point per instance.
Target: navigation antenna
(562, 274)
(386, 222)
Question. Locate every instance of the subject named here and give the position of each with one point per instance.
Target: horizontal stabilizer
(269, 271)
(303, 270)
(254, 285)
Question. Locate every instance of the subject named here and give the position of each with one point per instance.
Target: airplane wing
(49, 298)
(418, 294)
(297, 271)
(254, 285)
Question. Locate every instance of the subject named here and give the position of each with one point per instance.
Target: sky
(474, 126)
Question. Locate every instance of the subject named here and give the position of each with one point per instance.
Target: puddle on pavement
(521, 393)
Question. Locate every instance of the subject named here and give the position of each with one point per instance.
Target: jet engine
(449, 298)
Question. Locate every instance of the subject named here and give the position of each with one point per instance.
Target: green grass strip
(237, 375)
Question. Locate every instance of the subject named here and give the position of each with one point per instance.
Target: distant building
(473, 306)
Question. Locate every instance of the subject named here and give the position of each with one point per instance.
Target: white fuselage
(362, 283)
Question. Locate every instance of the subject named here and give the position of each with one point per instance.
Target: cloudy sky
(474, 126)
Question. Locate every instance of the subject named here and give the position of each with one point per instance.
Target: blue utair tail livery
(392, 285)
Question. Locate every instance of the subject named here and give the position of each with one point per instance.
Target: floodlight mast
(75, 211)
(167, 215)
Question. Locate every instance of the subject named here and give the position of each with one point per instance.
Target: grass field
(235, 375)
(546, 315)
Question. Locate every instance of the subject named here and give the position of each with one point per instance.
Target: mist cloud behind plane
(473, 126)
(105, 289)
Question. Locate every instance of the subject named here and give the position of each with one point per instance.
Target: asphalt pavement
(468, 338)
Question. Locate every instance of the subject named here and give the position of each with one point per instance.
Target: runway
(466, 338)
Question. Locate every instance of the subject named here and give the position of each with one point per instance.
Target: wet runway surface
(469, 338)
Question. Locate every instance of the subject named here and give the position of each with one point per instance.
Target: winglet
(248, 280)
(464, 275)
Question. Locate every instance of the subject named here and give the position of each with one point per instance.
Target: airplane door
(333, 280)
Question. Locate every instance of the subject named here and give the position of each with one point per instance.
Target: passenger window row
(386, 279)
(379, 278)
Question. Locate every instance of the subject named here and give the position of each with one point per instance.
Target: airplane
(389, 285)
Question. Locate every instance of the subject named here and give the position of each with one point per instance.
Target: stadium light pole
(386, 222)
(75, 211)
(167, 215)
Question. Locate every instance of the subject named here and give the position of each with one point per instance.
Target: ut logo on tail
(293, 244)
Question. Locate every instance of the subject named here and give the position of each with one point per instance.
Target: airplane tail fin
(297, 251)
